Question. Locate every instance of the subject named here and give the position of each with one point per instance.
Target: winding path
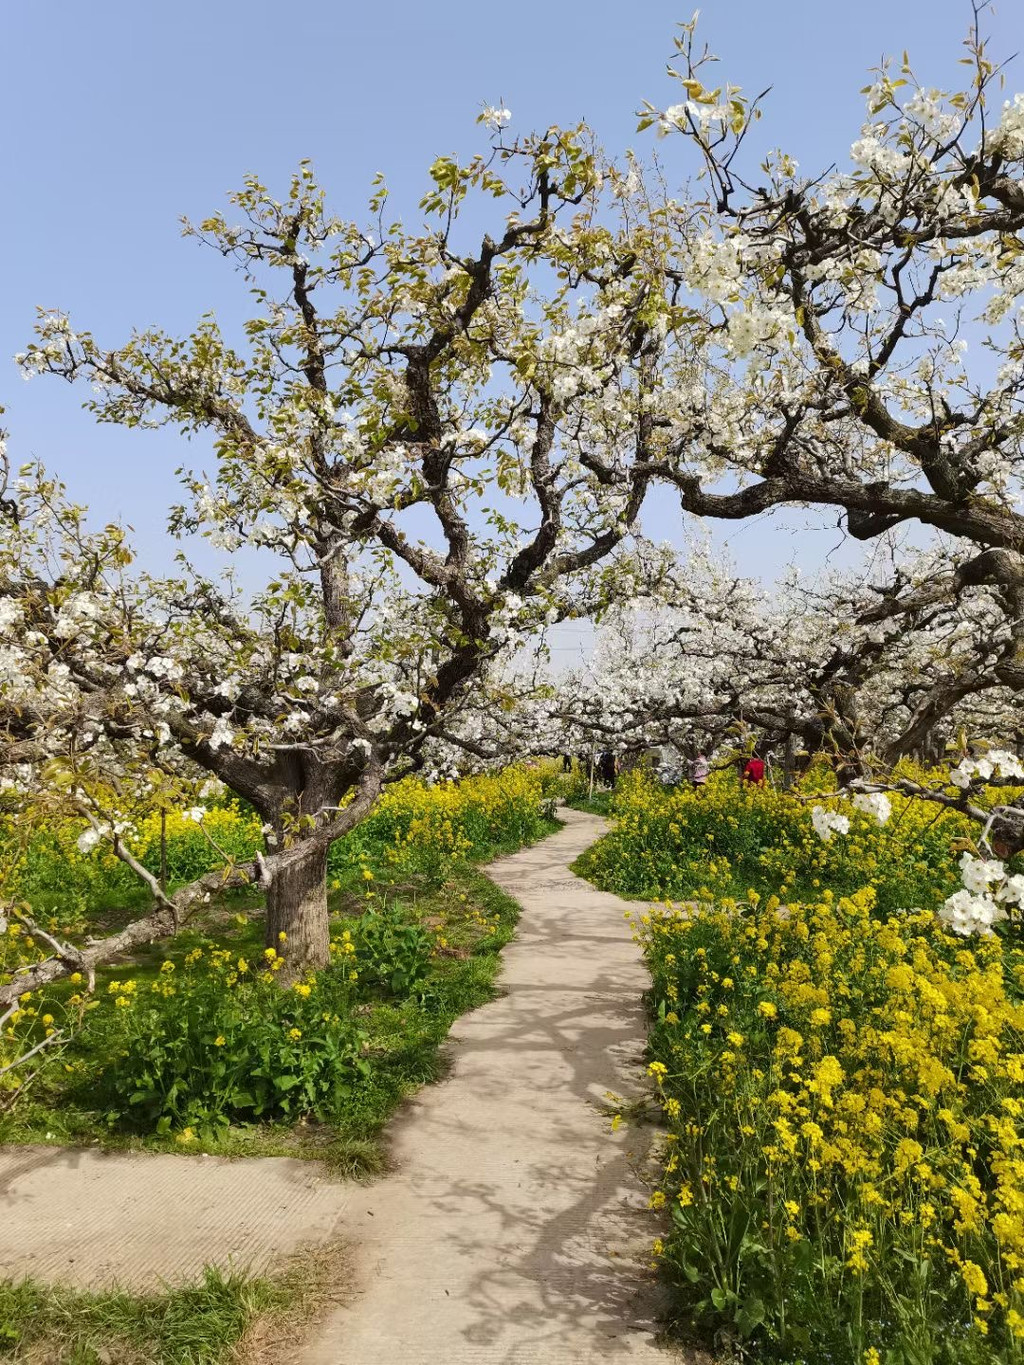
(515, 1229)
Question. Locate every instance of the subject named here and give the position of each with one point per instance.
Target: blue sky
(119, 117)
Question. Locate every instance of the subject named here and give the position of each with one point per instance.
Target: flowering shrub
(415, 828)
(843, 1094)
(725, 838)
(215, 1040)
(423, 829)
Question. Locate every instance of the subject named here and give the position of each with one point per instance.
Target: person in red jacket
(753, 771)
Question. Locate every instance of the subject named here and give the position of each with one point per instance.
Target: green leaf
(750, 1314)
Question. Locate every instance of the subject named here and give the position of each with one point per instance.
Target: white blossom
(874, 803)
(827, 822)
(495, 117)
(222, 734)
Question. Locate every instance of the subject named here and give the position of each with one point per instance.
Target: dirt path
(514, 1229)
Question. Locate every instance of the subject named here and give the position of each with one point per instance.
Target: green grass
(195, 1325)
(598, 804)
(223, 1318)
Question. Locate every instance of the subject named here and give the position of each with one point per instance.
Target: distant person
(606, 768)
(753, 771)
(567, 763)
(699, 770)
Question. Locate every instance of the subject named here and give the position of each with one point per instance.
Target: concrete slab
(92, 1218)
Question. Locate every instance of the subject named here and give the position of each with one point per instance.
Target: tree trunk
(297, 908)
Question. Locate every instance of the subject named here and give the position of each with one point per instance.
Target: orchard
(244, 801)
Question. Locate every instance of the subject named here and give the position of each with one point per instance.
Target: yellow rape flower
(974, 1279)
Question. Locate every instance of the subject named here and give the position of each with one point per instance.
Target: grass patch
(198, 1324)
(421, 854)
(223, 1317)
(598, 804)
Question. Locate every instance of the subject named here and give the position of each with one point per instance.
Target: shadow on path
(515, 1229)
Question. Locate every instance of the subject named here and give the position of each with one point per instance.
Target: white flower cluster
(79, 609)
(874, 803)
(91, 837)
(829, 822)
(703, 115)
(11, 615)
(996, 763)
(715, 267)
(873, 153)
(927, 108)
(88, 840)
(495, 118)
(1009, 136)
(987, 894)
(222, 734)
